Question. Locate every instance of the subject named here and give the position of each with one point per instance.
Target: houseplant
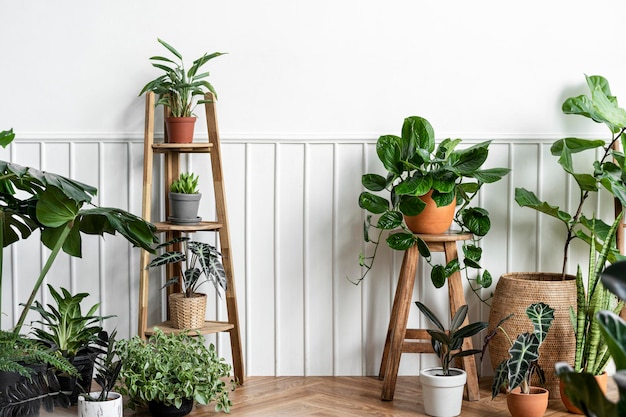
(514, 373)
(177, 90)
(184, 199)
(442, 387)
(172, 370)
(75, 334)
(193, 260)
(592, 354)
(107, 369)
(415, 169)
(581, 387)
(558, 288)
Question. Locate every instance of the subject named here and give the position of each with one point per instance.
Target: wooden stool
(398, 334)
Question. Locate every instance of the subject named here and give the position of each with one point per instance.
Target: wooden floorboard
(337, 397)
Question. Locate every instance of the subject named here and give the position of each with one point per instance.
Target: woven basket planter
(513, 294)
(187, 312)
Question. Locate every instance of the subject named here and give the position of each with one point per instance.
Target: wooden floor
(336, 397)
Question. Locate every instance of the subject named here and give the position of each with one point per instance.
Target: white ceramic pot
(443, 395)
(110, 408)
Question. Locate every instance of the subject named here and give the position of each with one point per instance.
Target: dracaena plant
(54, 204)
(416, 165)
(192, 261)
(581, 387)
(522, 363)
(606, 172)
(178, 87)
(447, 343)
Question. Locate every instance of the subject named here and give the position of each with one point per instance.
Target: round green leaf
(410, 205)
(400, 241)
(373, 182)
(476, 220)
(389, 150)
(390, 220)
(438, 276)
(373, 203)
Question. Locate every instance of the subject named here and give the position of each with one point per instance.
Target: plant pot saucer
(178, 220)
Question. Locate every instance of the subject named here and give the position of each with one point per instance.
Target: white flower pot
(110, 408)
(443, 395)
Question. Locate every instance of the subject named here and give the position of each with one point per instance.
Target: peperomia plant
(524, 352)
(415, 166)
(606, 172)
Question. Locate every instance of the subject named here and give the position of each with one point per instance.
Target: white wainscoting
(296, 232)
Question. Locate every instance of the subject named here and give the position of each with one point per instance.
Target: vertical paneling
(296, 234)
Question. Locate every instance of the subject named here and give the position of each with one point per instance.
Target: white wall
(306, 89)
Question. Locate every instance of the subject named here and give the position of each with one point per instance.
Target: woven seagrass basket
(187, 312)
(513, 294)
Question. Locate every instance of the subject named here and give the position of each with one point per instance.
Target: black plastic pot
(157, 409)
(72, 386)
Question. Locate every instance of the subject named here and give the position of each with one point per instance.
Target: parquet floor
(337, 397)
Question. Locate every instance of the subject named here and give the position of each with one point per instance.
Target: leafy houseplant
(73, 332)
(178, 88)
(416, 167)
(172, 368)
(581, 387)
(193, 260)
(606, 172)
(517, 370)
(443, 387)
(184, 199)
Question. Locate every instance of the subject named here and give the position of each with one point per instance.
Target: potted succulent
(582, 387)
(558, 288)
(193, 260)
(107, 369)
(177, 90)
(442, 387)
(75, 334)
(419, 177)
(514, 373)
(170, 371)
(184, 199)
(592, 354)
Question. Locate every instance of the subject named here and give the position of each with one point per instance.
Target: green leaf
(400, 240)
(417, 185)
(541, 315)
(373, 203)
(171, 49)
(441, 199)
(614, 331)
(438, 276)
(525, 350)
(410, 205)
(574, 145)
(526, 198)
(390, 220)
(430, 315)
(467, 161)
(457, 320)
(389, 150)
(423, 248)
(6, 137)
(476, 220)
(472, 252)
(420, 131)
(490, 175)
(373, 182)
(54, 209)
(452, 267)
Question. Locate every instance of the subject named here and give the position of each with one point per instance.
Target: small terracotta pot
(534, 404)
(602, 381)
(180, 129)
(432, 220)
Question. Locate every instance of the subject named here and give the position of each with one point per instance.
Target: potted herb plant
(514, 373)
(107, 369)
(177, 90)
(582, 387)
(592, 354)
(193, 260)
(556, 287)
(442, 387)
(171, 371)
(422, 177)
(75, 334)
(184, 199)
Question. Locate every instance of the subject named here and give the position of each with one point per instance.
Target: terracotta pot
(432, 220)
(602, 381)
(513, 294)
(187, 312)
(180, 129)
(527, 405)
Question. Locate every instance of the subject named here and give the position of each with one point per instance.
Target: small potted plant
(75, 334)
(178, 89)
(184, 199)
(423, 178)
(170, 371)
(592, 354)
(442, 387)
(107, 368)
(514, 374)
(193, 260)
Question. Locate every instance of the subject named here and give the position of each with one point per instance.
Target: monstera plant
(61, 209)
